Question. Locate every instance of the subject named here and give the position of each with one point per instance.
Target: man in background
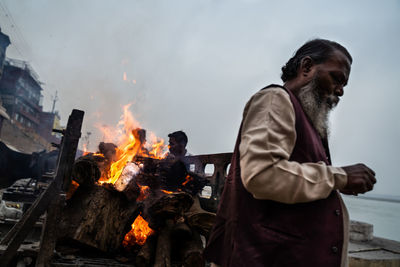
(177, 145)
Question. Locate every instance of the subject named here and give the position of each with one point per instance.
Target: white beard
(317, 107)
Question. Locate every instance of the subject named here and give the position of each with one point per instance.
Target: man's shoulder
(271, 90)
(270, 97)
(274, 86)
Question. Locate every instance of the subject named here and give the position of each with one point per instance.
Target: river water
(384, 215)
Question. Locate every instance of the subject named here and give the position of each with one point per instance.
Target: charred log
(152, 180)
(193, 252)
(86, 170)
(145, 256)
(98, 217)
(163, 251)
(199, 219)
(109, 150)
(131, 191)
(168, 206)
(171, 175)
(181, 231)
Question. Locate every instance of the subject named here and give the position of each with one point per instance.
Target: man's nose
(339, 90)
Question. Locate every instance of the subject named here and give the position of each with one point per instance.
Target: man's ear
(306, 65)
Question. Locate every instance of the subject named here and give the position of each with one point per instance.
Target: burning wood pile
(137, 202)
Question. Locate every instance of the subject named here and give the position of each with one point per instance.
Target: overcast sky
(196, 63)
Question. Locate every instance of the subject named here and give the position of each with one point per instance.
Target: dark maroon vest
(251, 232)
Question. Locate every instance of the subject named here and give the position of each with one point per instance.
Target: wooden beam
(49, 231)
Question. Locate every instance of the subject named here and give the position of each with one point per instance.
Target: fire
(72, 188)
(167, 192)
(139, 232)
(188, 178)
(85, 150)
(144, 191)
(124, 156)
(131, 143)
(157, 149)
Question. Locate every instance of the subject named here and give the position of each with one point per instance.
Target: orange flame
(167, 192)
(85, 150)
(139, 232)
(72, 188)
(129, 145)
(188, 178)
(157, 150)
(144, 191)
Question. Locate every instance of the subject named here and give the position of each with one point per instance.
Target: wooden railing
(220, 163)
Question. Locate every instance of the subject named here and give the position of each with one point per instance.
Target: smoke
(196, 63)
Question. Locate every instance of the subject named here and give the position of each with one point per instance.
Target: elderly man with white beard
(281, 204)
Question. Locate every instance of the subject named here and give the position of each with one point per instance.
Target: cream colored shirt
(268, 138)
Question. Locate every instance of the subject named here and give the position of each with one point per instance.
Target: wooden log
(168, 206)
(199, 219)
(128, 174)
(132, 191)
(98, 217)
(145, 256)
(163, 251)
(175, 173)
(152, 180)
(109, 150)
(86, 170)
(171, 173)
(181, 231)
(202, 222)
(193, 252)
(173, 203)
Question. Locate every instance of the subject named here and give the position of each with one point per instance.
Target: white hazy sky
(196, 63)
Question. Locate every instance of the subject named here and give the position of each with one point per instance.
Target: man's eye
(338, 78)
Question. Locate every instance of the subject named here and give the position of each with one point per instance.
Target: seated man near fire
(177, 154)
(177, 145)
(281, 204)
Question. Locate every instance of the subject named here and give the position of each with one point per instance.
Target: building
(20, 92)
(48, 122)
(23, 124)
(4, 43)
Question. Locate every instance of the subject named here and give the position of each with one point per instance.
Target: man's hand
(360, 179)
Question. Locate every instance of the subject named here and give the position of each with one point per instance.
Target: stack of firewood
(99, 216)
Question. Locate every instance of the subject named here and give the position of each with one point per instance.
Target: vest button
(337, 212)
(334, 249)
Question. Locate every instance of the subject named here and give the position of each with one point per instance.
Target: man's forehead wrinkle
(341, 60)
